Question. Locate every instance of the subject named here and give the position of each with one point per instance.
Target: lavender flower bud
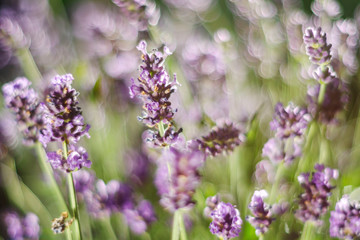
(138, 219)
(335, 100)
(31, 226)
(154, 87)
(344, 221)
(170, 138)
(67, 123)
(262, 215)
(289, 121)
(177, 177)
(316, 46)
(76, 159)
(226, 221)
(314, 202)
(211, 203)
(24, 102)
(288, 149)
(22, 228)
(221, 139)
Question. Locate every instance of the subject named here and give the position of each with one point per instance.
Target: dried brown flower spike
(60, 224)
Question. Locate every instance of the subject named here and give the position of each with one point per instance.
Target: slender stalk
(275, 187)
(182, 226)
(321, 94)
(308, 231)
(175, 227)
(28, 65)
(261, 237)
(72, 198)
(54, 188)
(161, 129)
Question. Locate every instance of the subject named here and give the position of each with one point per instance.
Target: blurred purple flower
(345, 219)
(24, 102)
(76, 159)
(289, 121)
(278, 150)
(221, 139)
(262, 213)
(226, 222)
(317, 47)
(265, 172)
(138, 219)
(22, 228)
(314, 202)
(177, 177)
(154, 87)
(65, 116)
(211, 203)
(329, 7)
(83, 181)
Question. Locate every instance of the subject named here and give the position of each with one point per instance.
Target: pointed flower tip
(142, 46)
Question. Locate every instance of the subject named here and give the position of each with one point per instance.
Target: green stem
(308, 231)
(321, 94)
(182, 226)
(275, 187)
(161, 129)
(28, 65)
(72, 198)
(54, 188)
(175, 227)
(261, 237)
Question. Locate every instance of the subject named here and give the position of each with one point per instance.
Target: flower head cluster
(154, 87)
(103, 199)
(65, 116)
(221, 139)
(226, 221)
(344, 221)
(335, 99)
(170, 137)
(76, 159)
(317, 47)
(177, 177)
(24, 102)
(313, 203)
(211, 203)
(22, 228)
(262, 213)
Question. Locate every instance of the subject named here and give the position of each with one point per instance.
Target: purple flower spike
(154, 88)
(221, 139)
(317, 47)
(64, 116)
(178, 177)
(22, 228)
(289, 121)
(226, 221)
(170, 138)
(77, 158)
(345, 220)
(262, 215)
(31, 226)
(314, 202)
(24, 102)
(138, 219)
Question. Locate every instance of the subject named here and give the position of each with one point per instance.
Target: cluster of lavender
(344, 221)
(327, 104)
(177, 177)
(289, 124)
(19, 228)
(221, 139)
(262, 213)
(66, 123)
(102, 200)
(314, 202)
(24, 102)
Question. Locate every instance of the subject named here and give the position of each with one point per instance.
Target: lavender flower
(211, 203)
(138, 219)
(76, 159)
(289, 121)
(221, 139)
(265, 172)
(317, 47)
(277, 150)
(262, 214)
(83, 181)
(64, 117)
(22, 228)
(154, 87)
(335, 99)
(171, 137)
(226, 221)
(344, 221)
(24, 102)
(314, 202)
(178, 176)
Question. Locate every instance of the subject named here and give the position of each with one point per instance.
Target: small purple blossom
(76, 159)
(170, 138)
(177, 177)
(262, 213)
(226, 221)
(221, 139)
(138, 219)
(314, 203)
(64, 115)
(211, 203)
(83, 181)
(289, 121)
(345, 219)
(22, 228)
(278, 150)
(154, 87)
(317, 47)
(24, 102)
